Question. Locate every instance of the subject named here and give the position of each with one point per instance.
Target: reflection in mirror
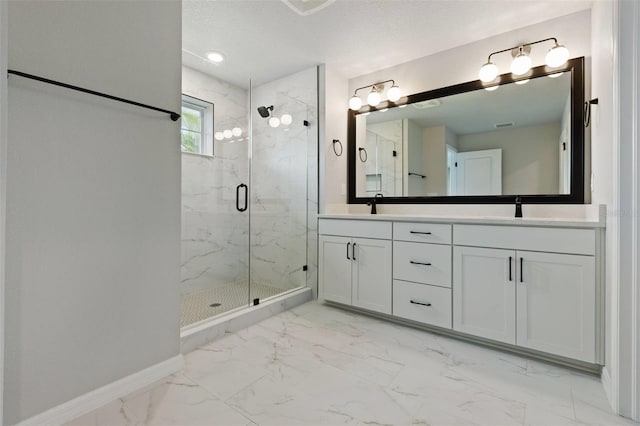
(515, 140)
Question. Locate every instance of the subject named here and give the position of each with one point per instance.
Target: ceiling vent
(431, 103)
(307, 7)
(503, 125)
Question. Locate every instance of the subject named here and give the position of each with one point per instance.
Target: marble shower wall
(284, 184)
(214, 234)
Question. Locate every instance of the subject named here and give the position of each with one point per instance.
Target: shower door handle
(246, 191)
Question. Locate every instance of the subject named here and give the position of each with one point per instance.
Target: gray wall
(529, 156)
(93, 199)
(4, 47)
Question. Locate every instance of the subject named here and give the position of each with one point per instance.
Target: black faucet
(372, 203)
(518, 206)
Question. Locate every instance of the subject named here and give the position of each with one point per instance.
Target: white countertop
(484, 220)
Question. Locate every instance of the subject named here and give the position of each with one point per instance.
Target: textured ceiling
(264, 39)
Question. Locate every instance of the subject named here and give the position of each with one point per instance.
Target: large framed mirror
(474, 142)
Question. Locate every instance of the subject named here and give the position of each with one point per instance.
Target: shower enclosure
(249, 210)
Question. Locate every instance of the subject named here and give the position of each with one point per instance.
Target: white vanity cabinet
(355, 270)
(556, 304)
(422, 272)
(335, 268)
(533, 288)
(542, 300)
(484, 293)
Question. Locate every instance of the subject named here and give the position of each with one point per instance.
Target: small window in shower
(196, 129)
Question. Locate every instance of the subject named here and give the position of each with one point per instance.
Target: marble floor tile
(179, 401)
(115, 413)
(319, 365)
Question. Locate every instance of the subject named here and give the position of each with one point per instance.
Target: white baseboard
(605, 378)
(95, 399)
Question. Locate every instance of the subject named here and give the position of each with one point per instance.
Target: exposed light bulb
(374, 98)
(219, 136)
(228, 134)
(393, 94)
(355, 103)
(491, 88)
(237, 131)
(488, 72)
(274, 122)
(216, 57)
(557, 56)
(521, 64)
(286, 119)
(556, 75)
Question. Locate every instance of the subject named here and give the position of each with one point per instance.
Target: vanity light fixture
(228, 134)
(521, 61)
(556, 57)
(237, 131)
(375, 96)
(355, 102)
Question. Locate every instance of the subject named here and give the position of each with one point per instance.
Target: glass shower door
(278, 203)
(215, 216)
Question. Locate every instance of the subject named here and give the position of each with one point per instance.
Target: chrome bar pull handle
(419, 303)
(419, 232)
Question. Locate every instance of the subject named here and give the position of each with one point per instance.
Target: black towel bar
(174, 115)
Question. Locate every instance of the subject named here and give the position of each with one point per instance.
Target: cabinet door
(556, 304)
(484, 297)
(372, 275)
(335, 269)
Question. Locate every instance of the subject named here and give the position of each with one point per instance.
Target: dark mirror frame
(576, 196)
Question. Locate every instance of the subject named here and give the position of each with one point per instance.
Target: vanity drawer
(422, 303)
(555, 240)
(422, 232)
(355, 228)
(409, 259)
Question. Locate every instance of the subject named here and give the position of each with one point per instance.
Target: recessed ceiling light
(216, 57)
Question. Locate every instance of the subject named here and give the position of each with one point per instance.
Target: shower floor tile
(197, 306)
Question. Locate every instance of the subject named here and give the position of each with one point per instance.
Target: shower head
(265, 111)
